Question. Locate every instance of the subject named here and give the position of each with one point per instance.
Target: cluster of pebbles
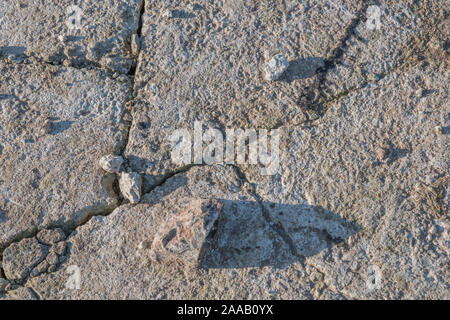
(130, 183)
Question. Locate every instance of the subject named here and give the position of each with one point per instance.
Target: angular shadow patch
(12, 50)
(302, 68)
(246, 235)
(57, 127)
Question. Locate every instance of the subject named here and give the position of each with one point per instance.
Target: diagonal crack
(89, 215)
(277, 227)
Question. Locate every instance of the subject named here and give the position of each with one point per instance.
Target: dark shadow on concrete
(181, 14)
(57, 127)
(12, 50)
(302, 68)
(396, 154)
(3, 216)
(251, 235)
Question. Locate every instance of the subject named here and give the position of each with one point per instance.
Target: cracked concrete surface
(100, 36)
(56, 123)
(358, 208)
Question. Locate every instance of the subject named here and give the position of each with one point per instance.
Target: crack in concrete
(317, 104)
(88, 215)
(277, 227)
(409, 62)
(320, 102)
(39, 61)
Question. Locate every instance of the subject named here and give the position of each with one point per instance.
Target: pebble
(111, 163)
(135, 44)
(130, 185)
(50, 236)
(381, 153)
(276, 67)
(438, 130)
(167, 14)
(145, 244)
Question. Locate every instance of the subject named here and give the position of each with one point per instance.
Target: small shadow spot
(55, 128)
(172, 233)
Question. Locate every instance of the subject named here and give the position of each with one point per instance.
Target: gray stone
(183, 237)
(50, 236)
(275, 67)
(144, 244)
(243, 252)
(21, 257)
(40, 268)
(52, 258)
(130, 185)
(356, 206)
(59, 248)
(111, 163)
(334, 169)
(193, 67)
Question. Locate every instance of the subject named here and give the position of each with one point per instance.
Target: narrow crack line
(318, 100)
(327, 104)
(132, 76)
(70, 230)
(33, 60)
(405, 66)
(338, 52)
(128, 104)
(141, 15)
(74, 229)
(277, 227)
(171, 175)
(333, 59)
(18, 238)
(107, 213)
(321, 102)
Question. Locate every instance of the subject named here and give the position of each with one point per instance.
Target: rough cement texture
(56, 123)
(187, 234)
(111, 245)
(100, 36)
(357, 208)
(209, 64)
(21, 257)
(398, 202)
